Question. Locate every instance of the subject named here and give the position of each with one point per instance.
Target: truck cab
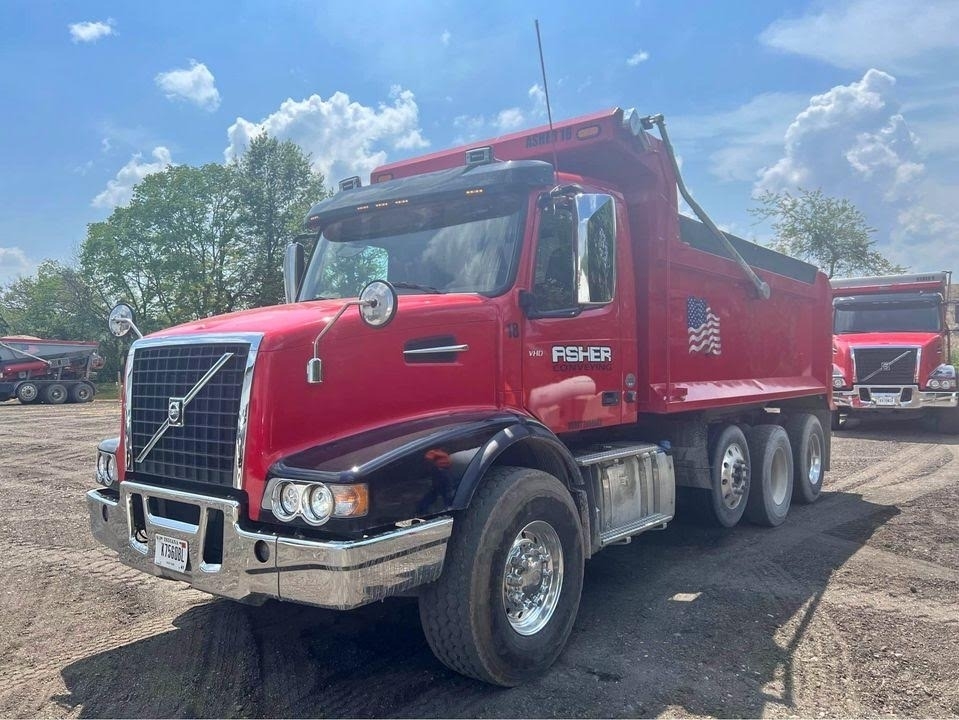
(891, 347)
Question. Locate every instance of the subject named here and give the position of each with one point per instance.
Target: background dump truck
(50, 371)
(498, 361)
(891, 352)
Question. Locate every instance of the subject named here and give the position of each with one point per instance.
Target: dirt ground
(849, 609)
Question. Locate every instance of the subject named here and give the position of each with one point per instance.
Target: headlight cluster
(107, 471)
(317, 502)
(942, 378)
(838, 381)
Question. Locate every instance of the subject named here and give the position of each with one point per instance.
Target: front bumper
(252, 565)
(892, 397)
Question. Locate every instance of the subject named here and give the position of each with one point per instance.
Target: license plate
(885, 399)
(171, 553)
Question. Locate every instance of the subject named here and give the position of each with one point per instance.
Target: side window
(554, 281)
(596, 249)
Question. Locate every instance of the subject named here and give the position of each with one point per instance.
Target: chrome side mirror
(595, 249)
(378, 303)
(294, 266)
(121, 321)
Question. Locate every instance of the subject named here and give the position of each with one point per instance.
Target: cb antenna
(549, 112)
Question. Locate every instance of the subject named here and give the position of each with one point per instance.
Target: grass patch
(108, 391)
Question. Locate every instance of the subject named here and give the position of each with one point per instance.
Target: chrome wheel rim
(814, 459)
(28, 392)
(533, 577)
(733, 476)
(779, 476)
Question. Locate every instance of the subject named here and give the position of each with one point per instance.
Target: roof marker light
(351, 183)
(479, 156)
(383, 177)
(590, 131)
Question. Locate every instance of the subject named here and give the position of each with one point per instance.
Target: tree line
(192, 242)
(200, 241)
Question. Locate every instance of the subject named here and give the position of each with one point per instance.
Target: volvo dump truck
(33, 370)
(891, 351)
(498, 361)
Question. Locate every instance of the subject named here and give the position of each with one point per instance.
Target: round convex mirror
(378, 303)
(121, 319)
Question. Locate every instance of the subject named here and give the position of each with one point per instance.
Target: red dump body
(761, 351)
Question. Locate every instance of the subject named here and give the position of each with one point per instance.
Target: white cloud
(196, 85)
(854, 142)
(344, 137)
(859, 34)
(508, 120)
(740, 141)
(14, 263)
(120, 189)
(90, 31)
(637, 58)
(445, 38)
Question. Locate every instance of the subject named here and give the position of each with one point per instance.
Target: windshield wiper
(416, 286)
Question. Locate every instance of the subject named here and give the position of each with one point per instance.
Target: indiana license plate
(171, 553)
(885, 398)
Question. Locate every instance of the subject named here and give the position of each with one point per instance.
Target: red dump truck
(891, 352)
(34, 370)
(499, 360)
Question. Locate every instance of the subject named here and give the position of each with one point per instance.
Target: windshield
(887, 318)
(468, 244)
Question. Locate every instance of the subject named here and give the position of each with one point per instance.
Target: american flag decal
(703, 326)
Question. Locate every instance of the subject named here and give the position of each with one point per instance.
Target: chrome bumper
(254, 565)
(892, 397)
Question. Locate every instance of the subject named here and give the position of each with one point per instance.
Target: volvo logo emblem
(886, 366)
(174, 412)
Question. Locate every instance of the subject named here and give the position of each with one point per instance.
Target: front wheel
(27, 393)
(505, 604)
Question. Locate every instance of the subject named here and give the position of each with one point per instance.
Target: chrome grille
(886, 365)
(204, 448)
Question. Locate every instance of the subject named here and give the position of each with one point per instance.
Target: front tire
(809, 454)
(504, 606)
(771, 493)
(28, 393)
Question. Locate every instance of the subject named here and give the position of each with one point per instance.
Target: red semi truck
(891, 352)
(499, 360)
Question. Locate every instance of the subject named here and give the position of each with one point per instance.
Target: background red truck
(891, 352)
(33, 370)
(541, 351)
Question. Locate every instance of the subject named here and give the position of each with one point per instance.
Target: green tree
(277, 187)
(175, 252)
(829, 232)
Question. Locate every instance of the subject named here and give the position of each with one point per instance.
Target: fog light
(320, 504)
(289, 499)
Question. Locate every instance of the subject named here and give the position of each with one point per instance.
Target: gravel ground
(851, 608)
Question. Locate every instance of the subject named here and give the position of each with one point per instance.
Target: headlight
(942, 378)
(838, 381)
(107, 471)
(289, 499)
(315, 502)
(319, 506)
(934, 384)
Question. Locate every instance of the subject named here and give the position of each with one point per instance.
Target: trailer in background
(33, 370)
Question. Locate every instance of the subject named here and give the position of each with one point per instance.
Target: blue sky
(857, 97)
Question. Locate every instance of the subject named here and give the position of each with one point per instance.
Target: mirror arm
(133, 327)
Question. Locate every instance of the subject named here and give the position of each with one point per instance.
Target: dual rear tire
(757, 472)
